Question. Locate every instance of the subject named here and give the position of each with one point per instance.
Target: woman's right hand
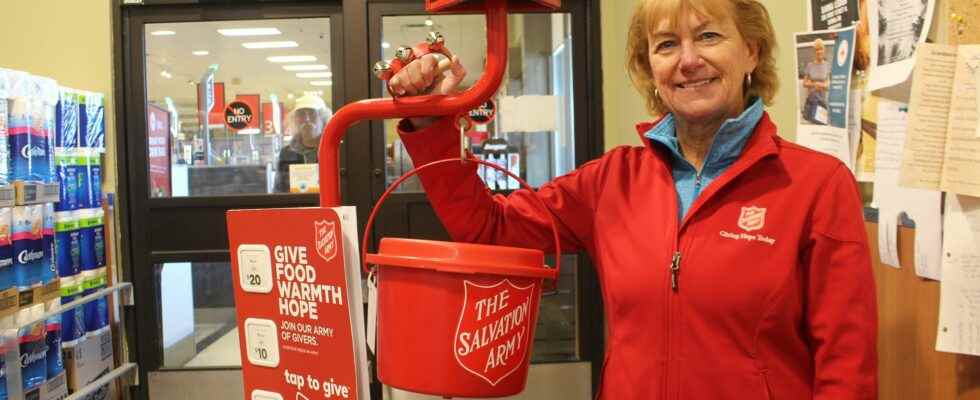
(425, 76)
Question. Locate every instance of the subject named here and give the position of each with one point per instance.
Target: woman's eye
(710, 36)
(665, 45)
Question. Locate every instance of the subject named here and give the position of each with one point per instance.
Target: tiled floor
(224, 352)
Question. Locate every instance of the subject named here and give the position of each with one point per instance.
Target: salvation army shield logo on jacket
(326, 239)
(494, 329)
(752, 218)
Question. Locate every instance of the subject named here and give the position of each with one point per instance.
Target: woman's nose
(690, 57)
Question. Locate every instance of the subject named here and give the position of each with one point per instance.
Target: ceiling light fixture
(249, 32)
(314, 75)
(270, 45)
(163, 33)
(200, 52)
(305, 67)
(166, 74)
(321, 83)
(289, 59)
(385, 45)
(428, 22)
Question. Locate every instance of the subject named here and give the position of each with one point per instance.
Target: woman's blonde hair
(750, 17)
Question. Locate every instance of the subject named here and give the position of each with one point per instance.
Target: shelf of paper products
(85, 369)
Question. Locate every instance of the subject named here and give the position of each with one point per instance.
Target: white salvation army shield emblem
(326, 239)
(494, 329)
(752, 218)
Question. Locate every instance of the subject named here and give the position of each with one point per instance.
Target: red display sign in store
(298, 299)
(242, 115)
(158, 150)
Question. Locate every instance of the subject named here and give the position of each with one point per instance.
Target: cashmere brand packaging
(28, 245)
(7, 279)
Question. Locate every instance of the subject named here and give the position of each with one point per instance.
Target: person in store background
(305, 124)
(733, 264)
(816, 81)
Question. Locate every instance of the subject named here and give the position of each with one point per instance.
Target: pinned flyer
(299, 305)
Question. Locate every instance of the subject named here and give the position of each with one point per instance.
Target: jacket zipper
(675, 269)
(675, 262)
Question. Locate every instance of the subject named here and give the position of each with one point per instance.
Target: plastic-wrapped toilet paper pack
(28, 238)
(7, 279)
(19, 124)
(92, 126)
(73, 319)
(89, 173)
(4, 133)
(68, 246)
(33, 348)
(49, 269)
(67, 166)
(67, 132)
(55, 362)
(31, 127)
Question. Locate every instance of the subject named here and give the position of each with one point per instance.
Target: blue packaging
(66, 133)
(55, 363)
(32, 120)
(94, 190)
(92, 126)
(19, 138)
(19, 114)
(68, 246)
(33, 356)
(3, 372)
(89, 174)
(28, 245)
(48, 95)
(67, 165)
(96, 312)
(73, 319)
(4, 144)
(91, 239)
(5, 93)
(49, 270)
(7, 279)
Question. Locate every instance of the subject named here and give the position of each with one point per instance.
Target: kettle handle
(414, 171)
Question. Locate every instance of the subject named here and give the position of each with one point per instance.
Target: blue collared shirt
(724, 150)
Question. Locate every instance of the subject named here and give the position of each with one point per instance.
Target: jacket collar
(727, 143)
(761, 143)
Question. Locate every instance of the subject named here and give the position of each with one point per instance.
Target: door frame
(351, 58)
(195, 230)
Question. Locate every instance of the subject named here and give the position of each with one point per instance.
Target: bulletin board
(962, 21)
(909, 367)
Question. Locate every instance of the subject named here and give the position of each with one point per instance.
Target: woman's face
(699, 67)
(819, 52)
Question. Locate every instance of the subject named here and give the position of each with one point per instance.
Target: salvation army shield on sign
(494, 329)
(326, 239)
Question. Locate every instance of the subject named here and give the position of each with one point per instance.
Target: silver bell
(404, 53)
(434, 38)
(382, 69)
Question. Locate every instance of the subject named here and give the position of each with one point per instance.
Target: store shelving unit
(121, 294)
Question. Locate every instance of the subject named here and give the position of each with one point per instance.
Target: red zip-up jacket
(774, 296)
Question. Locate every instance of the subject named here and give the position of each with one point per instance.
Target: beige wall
(74, 46)
(623, 106)
(70, 41)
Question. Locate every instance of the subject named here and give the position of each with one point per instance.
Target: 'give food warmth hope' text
(299, 293)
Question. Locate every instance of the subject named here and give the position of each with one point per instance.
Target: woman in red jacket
(734, 264)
